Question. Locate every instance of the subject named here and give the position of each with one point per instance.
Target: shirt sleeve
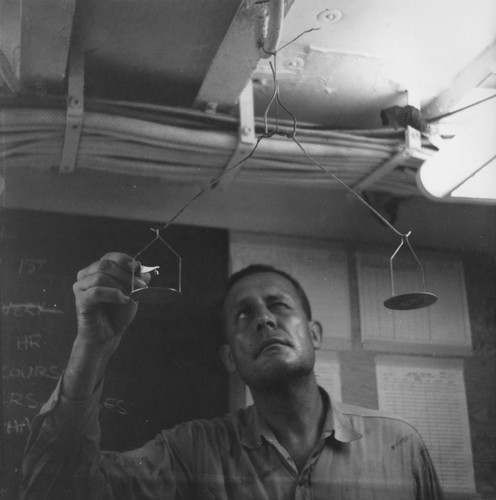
(428, 485)
(63, 460)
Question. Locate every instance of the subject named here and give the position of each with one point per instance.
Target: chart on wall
(430, 394)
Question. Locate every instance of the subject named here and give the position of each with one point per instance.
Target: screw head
(329, 16)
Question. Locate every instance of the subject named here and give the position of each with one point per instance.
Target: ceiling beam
(10, 40)
(45, 37)
(468, 79)
(235, 61)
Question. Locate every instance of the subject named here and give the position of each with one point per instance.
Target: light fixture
(464, 169)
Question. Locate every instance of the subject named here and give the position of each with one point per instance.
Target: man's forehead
(267, 283)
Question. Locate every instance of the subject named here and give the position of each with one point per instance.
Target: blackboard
(166, 370)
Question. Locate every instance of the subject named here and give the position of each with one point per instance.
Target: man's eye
(279, 305)
(242, 315)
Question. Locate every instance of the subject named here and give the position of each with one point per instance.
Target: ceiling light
(464, 169)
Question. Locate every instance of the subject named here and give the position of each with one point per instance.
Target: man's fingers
(119, 280)
(99, 294)
(119, 266)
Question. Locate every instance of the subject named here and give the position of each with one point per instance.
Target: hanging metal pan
(409, 301)
(155, 294)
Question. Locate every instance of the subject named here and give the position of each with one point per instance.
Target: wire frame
(412, 300)
(156, 294)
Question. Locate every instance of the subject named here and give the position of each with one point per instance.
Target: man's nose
(266, 319)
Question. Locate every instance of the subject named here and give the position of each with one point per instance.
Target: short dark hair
(265, 268)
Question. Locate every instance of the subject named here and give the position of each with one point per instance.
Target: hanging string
(212, 183)
(336, 178)
(404, 240)
(296, 38)
(275, 98)
(277, 102)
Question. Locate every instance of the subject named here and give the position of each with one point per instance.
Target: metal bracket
(246, 135)
(411, 149)
(7, 75)
(75, 112)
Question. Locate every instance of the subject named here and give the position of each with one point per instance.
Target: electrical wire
(454, 112)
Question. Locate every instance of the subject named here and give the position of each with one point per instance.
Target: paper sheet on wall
(328, 373)
(445, 323)
(430, 394)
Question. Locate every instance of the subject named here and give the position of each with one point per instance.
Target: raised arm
(104, 311)
(62, 458)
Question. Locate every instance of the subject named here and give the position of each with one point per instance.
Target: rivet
(73, 102)
(329, 16)
(295, 63)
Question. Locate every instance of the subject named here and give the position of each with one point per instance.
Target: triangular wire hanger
(155, 294)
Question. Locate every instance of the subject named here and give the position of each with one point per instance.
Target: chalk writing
(114, 404)
(28, 342)
(24, 400)
(28, 309)
(14, 426)
(30, 372)
(31, 266)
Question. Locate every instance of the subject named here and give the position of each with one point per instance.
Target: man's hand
(104, 311)
(103, 305)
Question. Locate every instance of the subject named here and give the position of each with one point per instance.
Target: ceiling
(182, 65)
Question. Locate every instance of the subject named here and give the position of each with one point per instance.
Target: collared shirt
(361, 454)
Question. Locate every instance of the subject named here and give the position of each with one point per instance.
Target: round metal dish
(409, 301)
(154, 294)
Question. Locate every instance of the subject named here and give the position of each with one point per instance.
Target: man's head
(265, 268)
(270, 336)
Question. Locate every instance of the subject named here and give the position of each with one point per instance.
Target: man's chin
(277, 376)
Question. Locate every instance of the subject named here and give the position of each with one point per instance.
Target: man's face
(270, 340)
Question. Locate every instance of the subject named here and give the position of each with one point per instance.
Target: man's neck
(296, 415)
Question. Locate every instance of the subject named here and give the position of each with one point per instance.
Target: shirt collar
(336, 424)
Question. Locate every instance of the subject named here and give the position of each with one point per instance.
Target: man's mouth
(270, 342)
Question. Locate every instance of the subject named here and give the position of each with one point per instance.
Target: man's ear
(316, 332)
(227, 358)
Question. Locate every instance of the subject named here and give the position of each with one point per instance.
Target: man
(293, 443)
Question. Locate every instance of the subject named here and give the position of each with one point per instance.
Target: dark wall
(480, 369)
(166, 370)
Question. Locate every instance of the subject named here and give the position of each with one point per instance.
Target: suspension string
(212, 183)
(296, 38)
(275, 98)
(276, 86)
(391, 271)
(407, 241)
(157, 236)
(336, 178)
